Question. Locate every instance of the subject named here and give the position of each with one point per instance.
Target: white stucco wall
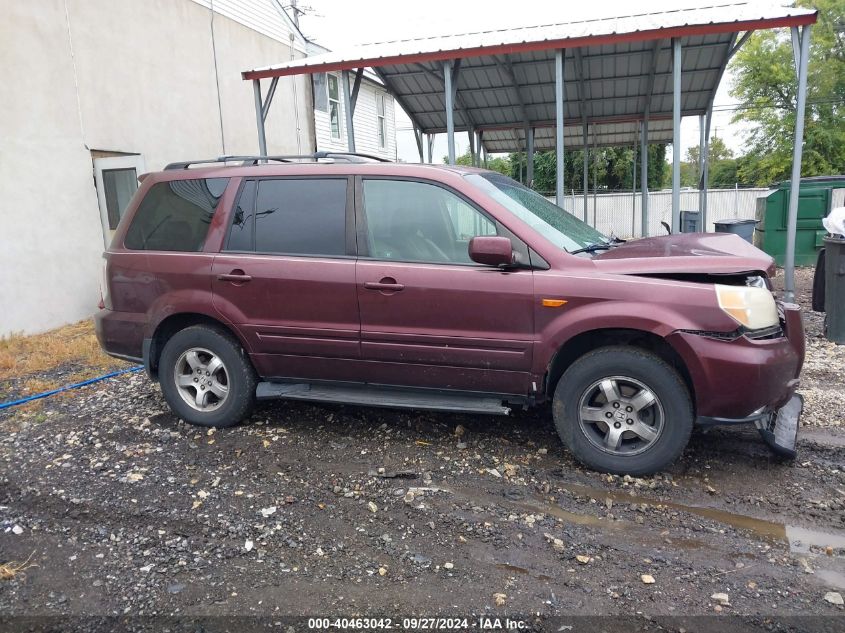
(114, 76)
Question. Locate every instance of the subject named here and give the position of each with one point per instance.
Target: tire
(581, 406)
(208, 366)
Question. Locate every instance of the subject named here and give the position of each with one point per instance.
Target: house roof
(313, 48)
(614, 69)
(267, 17)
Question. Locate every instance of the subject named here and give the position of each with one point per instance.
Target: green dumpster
(834, 289)
(816, 197)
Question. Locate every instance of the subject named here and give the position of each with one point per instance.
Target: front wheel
(623, 410)
(206, 378)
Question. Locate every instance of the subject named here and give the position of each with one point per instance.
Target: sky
(342, 24)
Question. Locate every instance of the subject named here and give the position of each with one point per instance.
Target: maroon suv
(447, 288)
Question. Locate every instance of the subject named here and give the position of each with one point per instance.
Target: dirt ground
(126, 512)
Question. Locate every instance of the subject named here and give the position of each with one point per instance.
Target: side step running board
(391, 398)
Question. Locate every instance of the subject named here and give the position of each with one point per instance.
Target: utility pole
(294, 13)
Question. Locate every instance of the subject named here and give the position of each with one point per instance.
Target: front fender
(627, 302)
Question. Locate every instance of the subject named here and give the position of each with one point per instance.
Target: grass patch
(9, 570)
(29, 360)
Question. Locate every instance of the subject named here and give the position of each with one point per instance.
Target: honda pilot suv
(443, 288)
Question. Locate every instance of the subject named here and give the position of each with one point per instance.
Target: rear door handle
(236, 276)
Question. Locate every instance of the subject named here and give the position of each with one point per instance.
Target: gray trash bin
(738, 226)
(834, 289)
(690, 221)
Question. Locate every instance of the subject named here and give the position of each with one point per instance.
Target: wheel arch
(174, 323)
(590, 340)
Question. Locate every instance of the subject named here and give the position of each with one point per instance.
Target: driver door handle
(236, 276)
(387, 284)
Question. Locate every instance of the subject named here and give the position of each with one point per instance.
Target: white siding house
(100, 91)
(374, 118)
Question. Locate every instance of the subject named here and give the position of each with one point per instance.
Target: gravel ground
(330, 510)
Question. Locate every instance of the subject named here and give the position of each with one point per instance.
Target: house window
(321, 98)
(382, 121)
(116, 180)
(119, 185)
(334, 106)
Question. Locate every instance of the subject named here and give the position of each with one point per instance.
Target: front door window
(420, 222)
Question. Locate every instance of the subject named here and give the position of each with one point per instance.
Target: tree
(497, 163)
(612, 165)
(765, 84)
(723, 166)
(716, 151)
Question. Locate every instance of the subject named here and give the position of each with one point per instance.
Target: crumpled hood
(719, 253)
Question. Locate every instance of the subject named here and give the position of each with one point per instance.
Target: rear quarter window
(175, 215)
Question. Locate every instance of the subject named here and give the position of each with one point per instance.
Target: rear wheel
(206, 378)
(623, 410)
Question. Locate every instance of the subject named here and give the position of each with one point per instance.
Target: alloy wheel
(620, 415)
(201, 379)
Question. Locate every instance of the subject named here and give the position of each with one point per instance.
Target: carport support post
(259, 118)
(347, 106)
(586, 157)
(676, 135)
(644, 178)
(430, 147)
(705, 174)
(701, 154)
(450, 111)
(594, 160)
(418, 137)
(559, 127)
(634, 188)
(529, 156)
(471, 136)
(797, 150)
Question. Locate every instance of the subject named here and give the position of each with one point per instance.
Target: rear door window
(175, 216)
(304, 216)
(243, 224)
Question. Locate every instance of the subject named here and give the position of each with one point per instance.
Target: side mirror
(491, 251)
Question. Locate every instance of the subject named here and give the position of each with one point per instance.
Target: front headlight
(752, 307)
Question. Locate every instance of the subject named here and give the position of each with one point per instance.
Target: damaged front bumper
(778, 427)
(754, 377)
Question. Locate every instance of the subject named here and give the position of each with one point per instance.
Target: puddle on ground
(516, 569)
(799, 539)
(822, 437)
(511, 568)
(802, 539)
(831, 578)
(540, 506)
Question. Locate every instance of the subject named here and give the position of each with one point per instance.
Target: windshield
(556, 225)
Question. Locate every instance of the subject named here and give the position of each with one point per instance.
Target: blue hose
(13, 403)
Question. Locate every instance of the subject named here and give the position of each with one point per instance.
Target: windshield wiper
(592, 248)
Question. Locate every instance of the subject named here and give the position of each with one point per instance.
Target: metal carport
(604, 81)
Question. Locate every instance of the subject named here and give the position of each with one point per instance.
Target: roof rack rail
(348, 157)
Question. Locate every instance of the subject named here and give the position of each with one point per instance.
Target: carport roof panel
(602, 135)
(721, 18)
